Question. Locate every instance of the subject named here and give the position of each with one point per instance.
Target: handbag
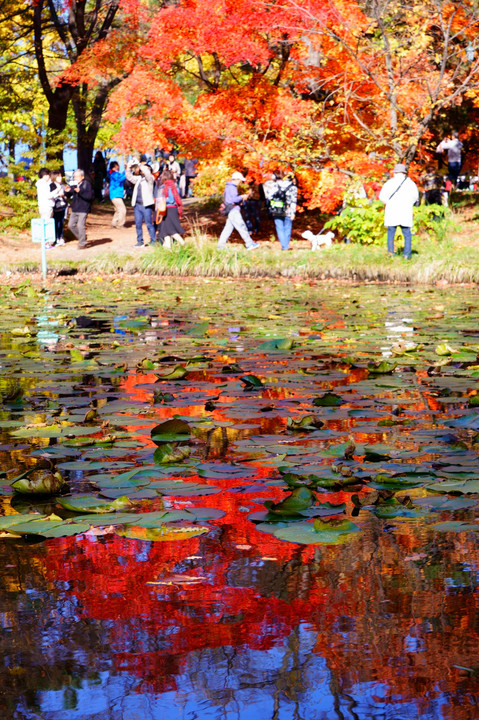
(160, 207)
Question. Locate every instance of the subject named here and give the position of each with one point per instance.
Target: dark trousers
(252, 214)
(59, 218)
(433, 197)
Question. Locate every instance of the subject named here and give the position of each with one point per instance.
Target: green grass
(431, 264)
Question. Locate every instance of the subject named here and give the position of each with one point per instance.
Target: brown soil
(102, 237)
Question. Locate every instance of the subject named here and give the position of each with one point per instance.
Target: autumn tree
(68, 32)
(387, 68)
(21, 101)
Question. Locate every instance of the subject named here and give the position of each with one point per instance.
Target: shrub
(363, 222)
(17, 205)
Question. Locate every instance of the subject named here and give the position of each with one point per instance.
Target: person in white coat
(399, 194)
(142, 200)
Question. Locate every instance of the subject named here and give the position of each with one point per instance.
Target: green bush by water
(363, 222)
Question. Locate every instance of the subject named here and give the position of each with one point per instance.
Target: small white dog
(318, 241)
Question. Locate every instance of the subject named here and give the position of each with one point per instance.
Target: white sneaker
(253, 246)
(60, 242)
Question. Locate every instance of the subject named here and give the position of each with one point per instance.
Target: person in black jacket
(81, 191)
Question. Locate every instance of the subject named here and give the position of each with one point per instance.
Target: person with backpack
(169, 210)
(399, 196)
(232, 201)
(281, 199)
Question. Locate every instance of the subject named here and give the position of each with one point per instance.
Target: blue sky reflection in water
(369, 612)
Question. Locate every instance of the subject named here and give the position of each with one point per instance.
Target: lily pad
(319, 533)
(174, 430)
(92, 504)
(164, 533)
(38, 482)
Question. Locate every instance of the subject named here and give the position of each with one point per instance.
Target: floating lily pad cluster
(115, 401)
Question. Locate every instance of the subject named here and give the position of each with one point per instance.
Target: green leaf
(167, 454)
(328, 400)
(443, 349)
(251, 382)
(276, 344)
(308, 423)
(299, 499)
(92, 504)
(179, 372)
(469, 487)
(38, 482)
(319, 533)
(384, 367)
(174, 430)
(184, 489)
(163, 533)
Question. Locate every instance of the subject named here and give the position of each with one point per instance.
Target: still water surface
(237, 623)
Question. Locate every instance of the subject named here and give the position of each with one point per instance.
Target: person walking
(81, 191)
(142, 200)
(454, 155)
(60, 205)
(170, 227)
(234, 221)
(117, 191)
(281, 197)
(399, 194)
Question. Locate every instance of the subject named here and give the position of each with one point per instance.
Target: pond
(239, 499)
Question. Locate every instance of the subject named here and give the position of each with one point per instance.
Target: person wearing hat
(234, 221)
(399, 194)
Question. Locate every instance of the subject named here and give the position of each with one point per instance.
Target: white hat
(399, 168)
(238, 176)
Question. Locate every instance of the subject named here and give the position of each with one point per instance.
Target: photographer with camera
(81, 192)
(142, 200)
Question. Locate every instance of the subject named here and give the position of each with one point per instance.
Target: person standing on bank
(399, 195)
(142, 200)
(81, 191)
(454, 155)
(60, 205)
(117, 190)
(232, 202)
(45, 195)
(281, 197)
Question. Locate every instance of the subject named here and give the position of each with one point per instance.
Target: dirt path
(102, 237)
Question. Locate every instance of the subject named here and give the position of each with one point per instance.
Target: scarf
(169, 184)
